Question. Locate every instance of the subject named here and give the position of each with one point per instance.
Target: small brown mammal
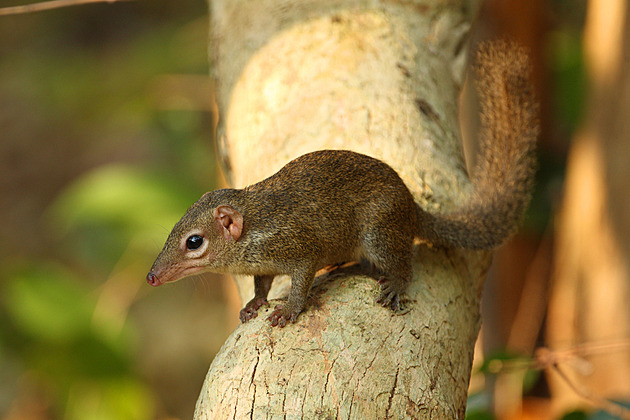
(332, 206)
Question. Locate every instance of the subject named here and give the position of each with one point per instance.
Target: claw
(389, 296)
(251, 309)
(280, 318)
(385, 298)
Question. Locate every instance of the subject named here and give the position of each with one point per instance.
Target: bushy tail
(503, 176)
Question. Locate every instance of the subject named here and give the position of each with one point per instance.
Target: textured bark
(591, 284)
(381, 78)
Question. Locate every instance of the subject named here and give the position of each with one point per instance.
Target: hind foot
(392, 294)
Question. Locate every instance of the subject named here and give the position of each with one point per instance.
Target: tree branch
(48, 5)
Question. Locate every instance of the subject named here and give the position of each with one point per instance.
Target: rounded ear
(230, 221)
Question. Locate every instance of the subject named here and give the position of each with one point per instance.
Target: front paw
(282, 315)
(251, 309)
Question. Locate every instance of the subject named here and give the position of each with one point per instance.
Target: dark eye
(194, 242)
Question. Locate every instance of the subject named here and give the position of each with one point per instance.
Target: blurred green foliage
(566, 65)
(509, 361)
(99, 162)
(50, 319)
(479, 406)
(114, 204)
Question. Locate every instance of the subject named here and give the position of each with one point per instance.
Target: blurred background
(105, 140)
(106, 122)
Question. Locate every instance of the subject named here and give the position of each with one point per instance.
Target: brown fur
(328, 207)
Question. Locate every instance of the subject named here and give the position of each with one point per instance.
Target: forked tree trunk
(381, 78)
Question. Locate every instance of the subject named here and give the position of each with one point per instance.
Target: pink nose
(153, 280)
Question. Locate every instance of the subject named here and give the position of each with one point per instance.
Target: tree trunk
(381, 78)
(591, 285)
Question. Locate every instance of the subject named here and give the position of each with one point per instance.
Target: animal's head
(200, 241)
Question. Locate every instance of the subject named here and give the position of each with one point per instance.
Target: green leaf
(498, 361)
(478, 406)
(46, 302)
(479, 415)
(575, 415)
(120, 398)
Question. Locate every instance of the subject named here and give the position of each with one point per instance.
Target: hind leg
(391, 254)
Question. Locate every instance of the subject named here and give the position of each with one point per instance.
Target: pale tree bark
(591, 285)
(381, 78)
